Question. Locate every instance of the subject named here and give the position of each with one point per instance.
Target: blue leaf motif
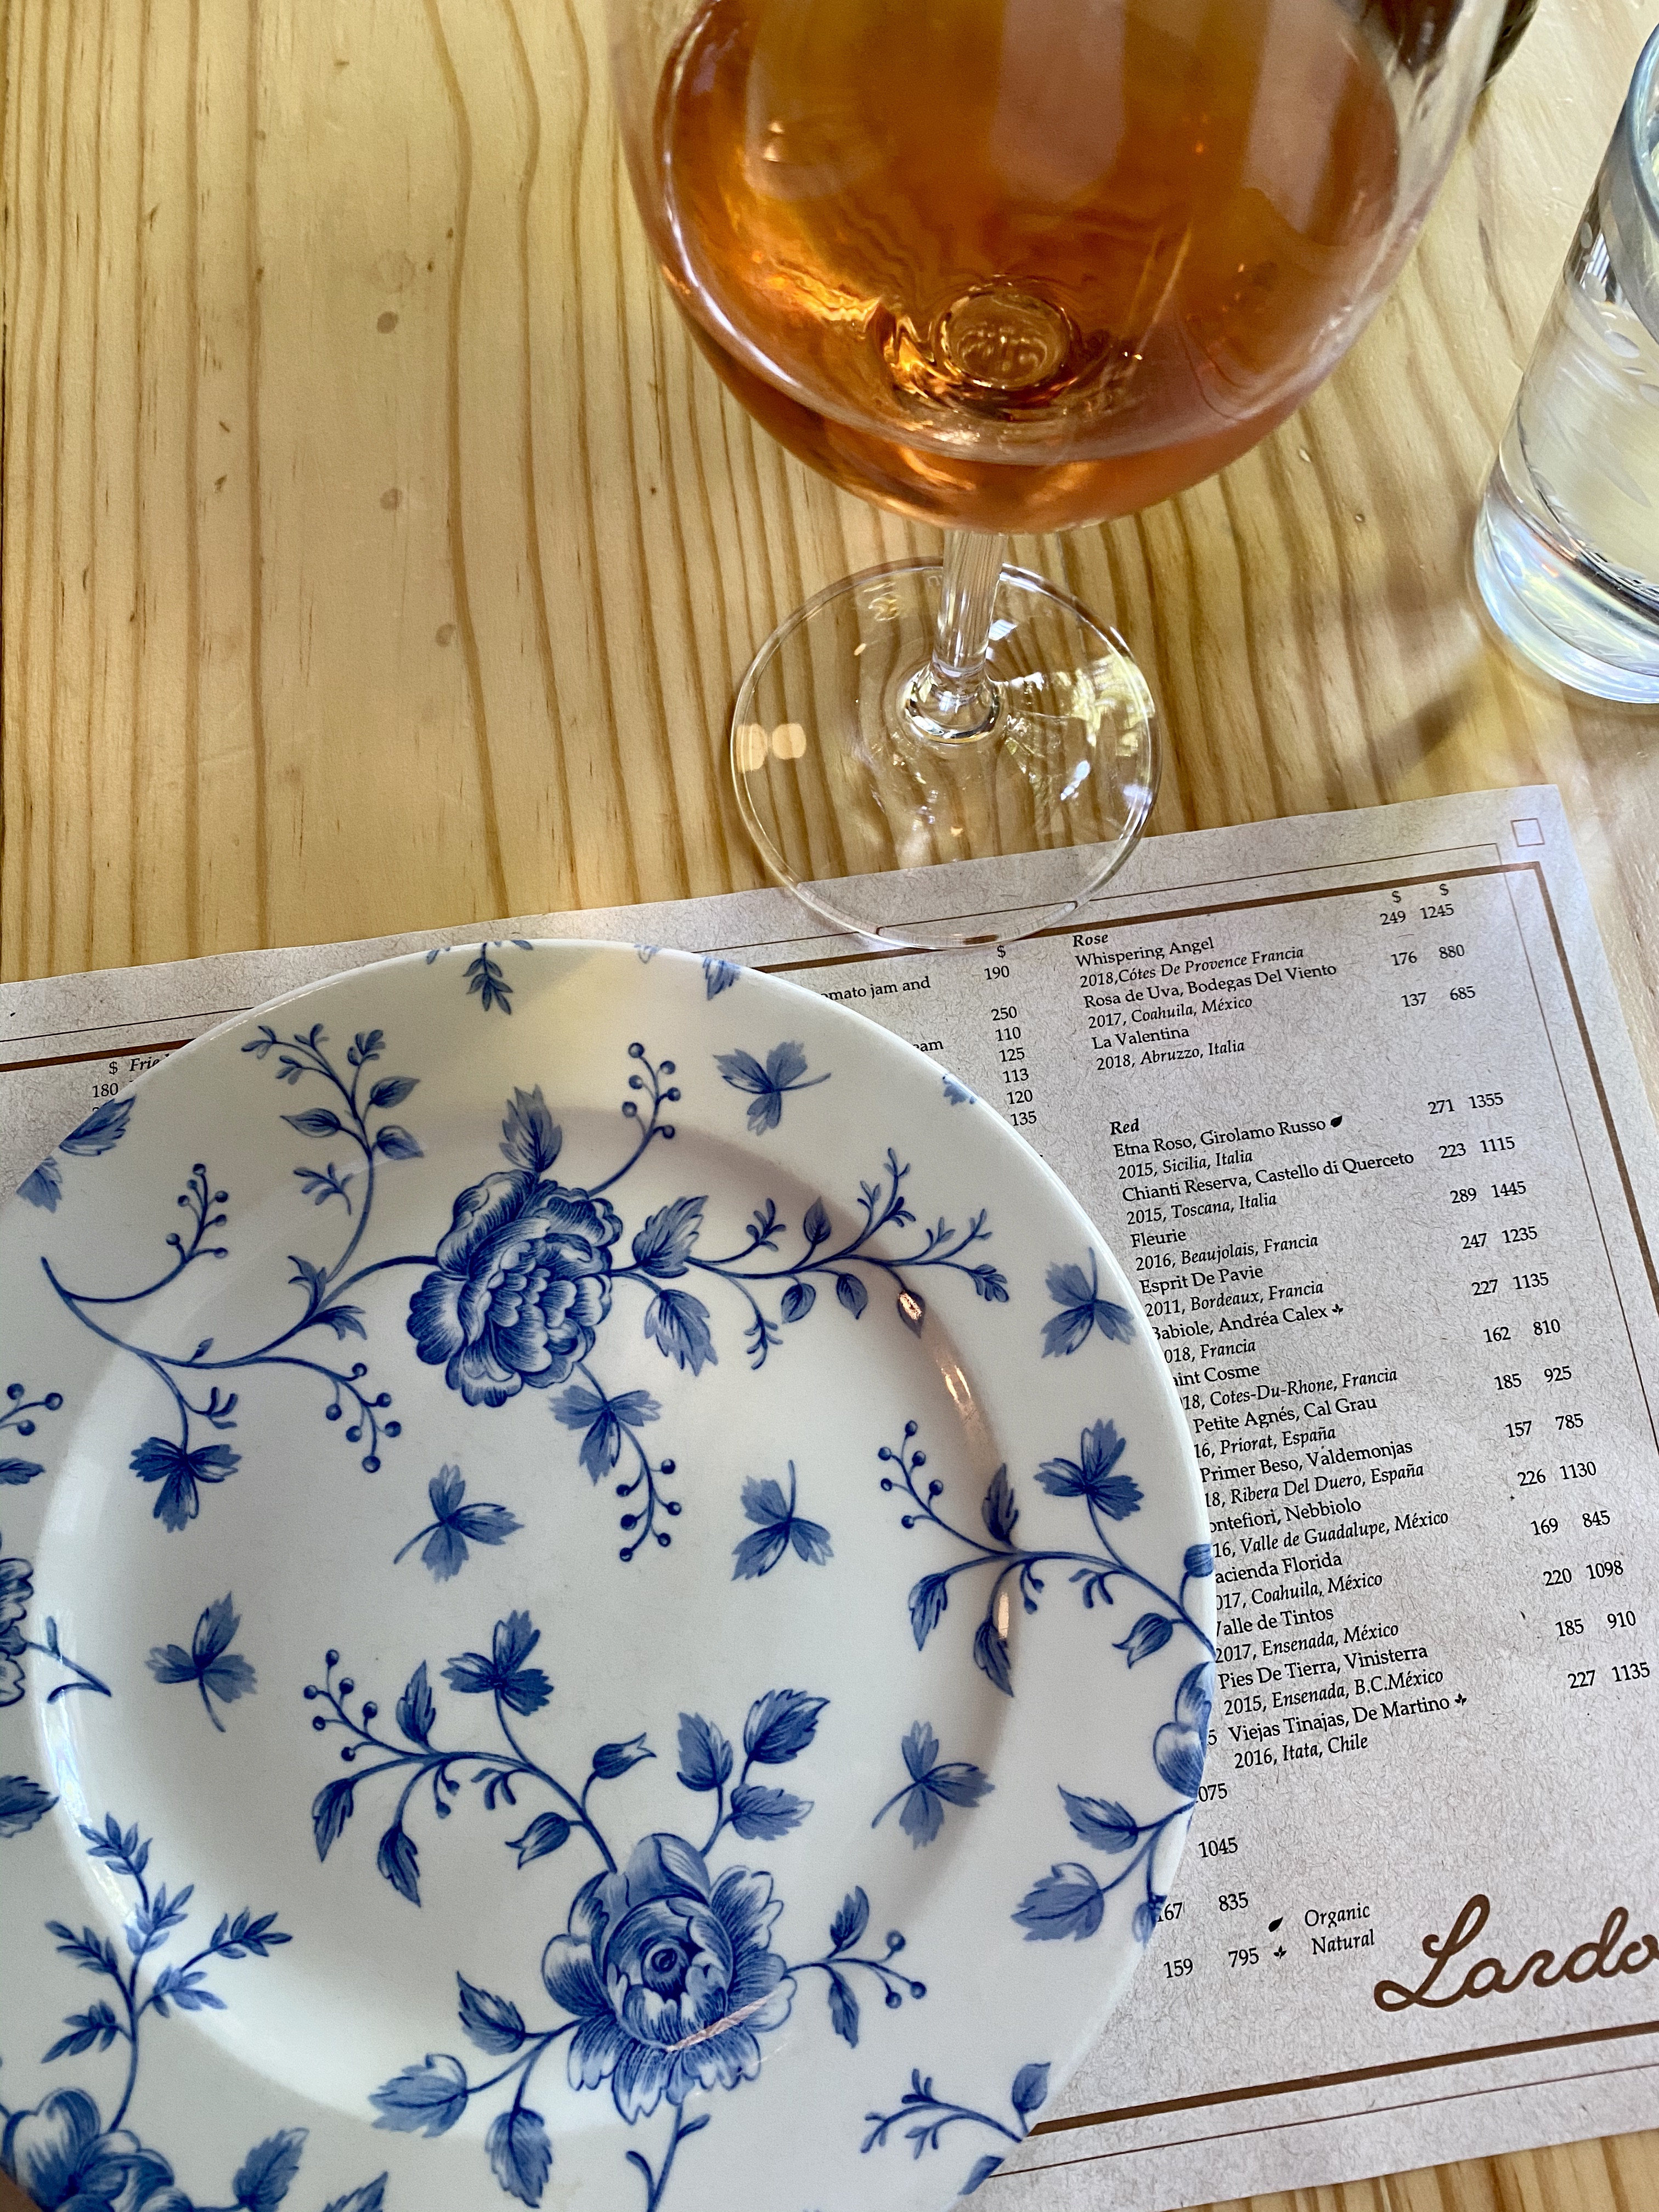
(1082, 1310)
(1145, 1919)
(394, 1143)
(1195, 1696)
(958, 1093)
(612, 1761)
(43, 1186)
(180, 1473)
(103, 1128)
(399, 1861)
(1198, 1561)
(23, 1802)
(1067, 1901)
(1090, 1475)
(999, 1512)
(718, 975)
(852, 1919)
(455, 1523)
(705, 1755)
(531, 1138)
(495, 2024)
(371, 2198)
(503, 1674)
(430, 2097)
(547, 1832)
(778, 1527)
(520, 2156)
(1100, 1822)
(927, 1602)
(780, 1725)
(843, 2009)
(984, 2168)
(762, 1815)
(852, 1294)
(16, 1472)
(604, 1419)
(990, 1655)
(391, 1090)
(663, 1246)
(1150, 1634)
(785, 1068)
(797, 1301)
(217, 1671)
(415, 1709)
(316, 1122)
(1030, 2090)
(266, 2174)
(678, 1324)
(1178, 1755)
(331, 1809)
(934, 1786)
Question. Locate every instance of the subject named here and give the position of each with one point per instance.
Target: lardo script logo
(1602, 1957)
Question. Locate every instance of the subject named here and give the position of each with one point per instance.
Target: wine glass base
(877, 825)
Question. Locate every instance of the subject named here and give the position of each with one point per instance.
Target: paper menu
(1353, 1096)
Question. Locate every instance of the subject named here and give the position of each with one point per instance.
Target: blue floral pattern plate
(605, 1601)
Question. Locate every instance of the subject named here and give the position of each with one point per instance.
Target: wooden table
(377, 552)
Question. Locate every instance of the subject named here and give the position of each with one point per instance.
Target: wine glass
(1009, 265)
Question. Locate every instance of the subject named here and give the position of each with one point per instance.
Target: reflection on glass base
(1563, 618)
(869, 819)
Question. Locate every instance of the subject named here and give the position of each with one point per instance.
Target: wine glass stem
(953, 697)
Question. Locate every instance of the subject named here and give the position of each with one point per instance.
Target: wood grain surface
(375, 551)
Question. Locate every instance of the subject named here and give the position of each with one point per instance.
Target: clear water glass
(1566, 547)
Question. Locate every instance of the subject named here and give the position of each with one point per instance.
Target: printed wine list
(1351, 1098)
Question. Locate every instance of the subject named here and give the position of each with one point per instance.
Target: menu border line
(1388, 2070)
(1332, 2119)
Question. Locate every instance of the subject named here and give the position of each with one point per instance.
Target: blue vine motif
(180, 1469)
(103, 1128)
(17, 1414)
(784, 1071)
(1092, 1478)
(516, 1292)
(215, 1669)
(933, 1784)
(933, 2115)
(1082, 1310)
(60, 2151)
(16, 1588)
(455, 1525)
(665, 1971)
(778, 1528)
(1068, 1901)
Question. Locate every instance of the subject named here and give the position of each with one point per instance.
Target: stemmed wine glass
(1010, 265)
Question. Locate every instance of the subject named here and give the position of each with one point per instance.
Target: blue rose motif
(59, 2155)
(16, 1588)
(522, 1287)
(672, 1976)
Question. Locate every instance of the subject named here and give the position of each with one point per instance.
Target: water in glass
(1567, 542)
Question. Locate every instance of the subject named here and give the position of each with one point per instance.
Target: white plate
(674, 1641)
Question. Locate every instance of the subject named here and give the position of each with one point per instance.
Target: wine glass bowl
(1015, 265)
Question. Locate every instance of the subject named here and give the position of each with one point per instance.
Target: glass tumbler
(1566, 545)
